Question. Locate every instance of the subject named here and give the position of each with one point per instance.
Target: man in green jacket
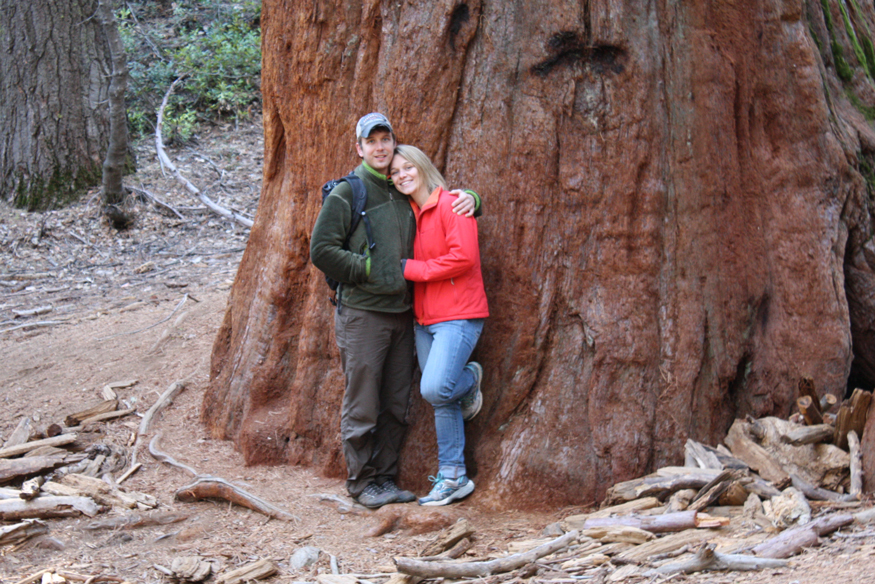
(373, 322)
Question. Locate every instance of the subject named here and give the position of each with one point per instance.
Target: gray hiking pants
(376, 350)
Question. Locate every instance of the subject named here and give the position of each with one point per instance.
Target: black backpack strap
(359, 202)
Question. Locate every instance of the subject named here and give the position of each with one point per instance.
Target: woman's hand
(465, 204)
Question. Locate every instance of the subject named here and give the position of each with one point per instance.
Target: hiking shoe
(446, 491)
(401, 496)
(374, 496)
(473, 400)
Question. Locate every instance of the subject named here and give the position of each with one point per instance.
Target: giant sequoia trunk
(54, 84)
(676, 223)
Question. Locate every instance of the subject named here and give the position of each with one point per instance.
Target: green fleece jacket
(370, 279)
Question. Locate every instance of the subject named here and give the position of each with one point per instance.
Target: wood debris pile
(62, 470)
(774, 488)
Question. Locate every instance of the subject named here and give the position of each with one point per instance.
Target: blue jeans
(443, 350)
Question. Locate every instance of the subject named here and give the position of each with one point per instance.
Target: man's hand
(465, 205)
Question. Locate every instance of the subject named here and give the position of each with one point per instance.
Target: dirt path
(145, 304)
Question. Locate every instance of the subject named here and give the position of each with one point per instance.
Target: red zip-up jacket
(445, 267)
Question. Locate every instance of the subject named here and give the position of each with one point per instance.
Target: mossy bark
(54, 88)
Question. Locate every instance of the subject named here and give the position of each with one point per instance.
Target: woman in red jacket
(450, 305)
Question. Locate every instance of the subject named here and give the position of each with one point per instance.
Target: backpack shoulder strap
(359, 202)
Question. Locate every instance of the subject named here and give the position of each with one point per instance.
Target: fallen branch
(61, 440)
(792, 541)
(12, 534)
(166, 162)
(814, 493)
(42, 507)
(665, 523)
(166, 458)
(134, 521)
(809, 434)
(432, 569)
(856, 466)
(108, 416)
(162, 402)
(156, 200)
(207, 487)
(33, 324)
(707, 559)
(210, 487)
(151, 326)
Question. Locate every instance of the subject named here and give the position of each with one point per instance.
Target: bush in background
(215, 44)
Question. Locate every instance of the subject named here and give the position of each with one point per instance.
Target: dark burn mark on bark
(461, 15)
(567, 48)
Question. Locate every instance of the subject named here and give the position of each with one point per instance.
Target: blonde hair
(430, 175)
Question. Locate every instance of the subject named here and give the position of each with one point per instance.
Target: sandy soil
(145, 305)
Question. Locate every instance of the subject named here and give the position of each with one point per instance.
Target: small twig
(169, 316)
(30, 324)
(156, 200)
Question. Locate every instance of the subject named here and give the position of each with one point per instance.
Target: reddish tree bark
(673, 205)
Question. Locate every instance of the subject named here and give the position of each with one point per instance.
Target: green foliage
(215, 44)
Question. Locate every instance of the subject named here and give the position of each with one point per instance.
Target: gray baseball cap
(367, 124)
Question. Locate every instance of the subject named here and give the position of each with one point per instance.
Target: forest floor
(145, 304)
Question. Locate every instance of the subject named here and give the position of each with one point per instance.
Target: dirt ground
(144, 305)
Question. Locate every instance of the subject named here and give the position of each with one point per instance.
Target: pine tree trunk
(673, 203)
(54, 84)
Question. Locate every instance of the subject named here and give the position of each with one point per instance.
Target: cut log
(44, 507)
(206, 487)
(27, 447)
(810, 410)
(255, 571)
(577, 521)
(852, 416)
(680, 500)
(809, 434)
(710, 492)
(828, 402)
(15, 534)
(108, 494)
(807, 389)
(656, 486)
(30, 488)
(618, 533)
(856, 466)
(666, 544)
(816, 493)
(435, 569)
(791, 541)
(665, 523)
(449, 537)
(754, 455)
(707, 559)
(21, 434)
(108, 416)
(735, 494)
(697, 455)
(23, 467)
(105, 406)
